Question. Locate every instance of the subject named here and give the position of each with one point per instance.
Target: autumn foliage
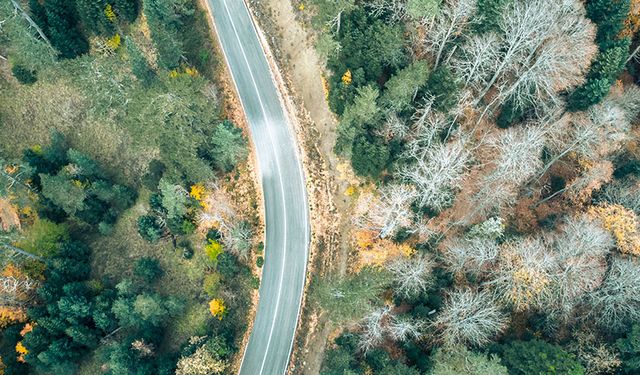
(623, 225)
(217, 308)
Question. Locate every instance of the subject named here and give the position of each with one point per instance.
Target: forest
(495, 210)
(128, 214)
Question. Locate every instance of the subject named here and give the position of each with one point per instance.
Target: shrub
(260, 261)
(148, 269)
(23, 75)
(149, 228)
(539, 357)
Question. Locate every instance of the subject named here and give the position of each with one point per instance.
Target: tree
(489, 14)
(580, 251)
(174, 199)
(470, 317)
(164, 18)
(228, 146)
(382, 323)
(139, 64)
(43, 238)
(539, 357)
(238, 238)
(460, 360)
(69, 194)
(402, 88)
(150, 228)
(617, 301)
(201, 362)
(93, 16)
(454, 17)
(364, 110)
(436, 170)
(63, 29)
(629, 347)
(412, 276)
(23, 75)
(422, 10)
(385, 214)
(369, 156)
(471, 255)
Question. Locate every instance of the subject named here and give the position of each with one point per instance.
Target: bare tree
(388, 212)
(617, 300)
(580, 250)
(382, 323)
(237, 236)
(546, 48)
(518, 157)
(522, 276)
(412, 276)
(436, 171)
(396, 8)
(476, 60)
(471, 318)
(470, 254)
(454, 17)
(373, 328)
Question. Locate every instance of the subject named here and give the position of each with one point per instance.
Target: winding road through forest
(285, 200)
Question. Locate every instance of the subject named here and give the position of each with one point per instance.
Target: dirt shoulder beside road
(301, 83)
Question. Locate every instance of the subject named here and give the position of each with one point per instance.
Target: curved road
(286, 209)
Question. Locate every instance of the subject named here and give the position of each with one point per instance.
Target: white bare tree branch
(412, 276)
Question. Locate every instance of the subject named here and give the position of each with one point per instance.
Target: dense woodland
(495, 227)
(127, 223)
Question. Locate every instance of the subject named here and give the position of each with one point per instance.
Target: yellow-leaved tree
(217, 308)
(622, 223)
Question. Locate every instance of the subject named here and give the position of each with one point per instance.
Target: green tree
(443, 86)
(164, 18)
(610, 16)
(370, 156)
(364, 110)
(66, 193)
(63, 30)
(537, 357)
(93, 16)
(489, 14)
(629, 348)
(23, 75)
(402, 88)
(460, 360)
(139, 64)
(126, 9)
(174, 199)
(228, 146)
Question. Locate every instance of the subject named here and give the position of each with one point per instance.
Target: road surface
(286, 209)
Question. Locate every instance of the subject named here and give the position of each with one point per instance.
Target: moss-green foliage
(93, 17)
(444, 88)
(370, 156)
(539, 357)
(350, 298)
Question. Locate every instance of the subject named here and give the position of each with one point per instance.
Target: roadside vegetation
(496, 217)
(128, 215)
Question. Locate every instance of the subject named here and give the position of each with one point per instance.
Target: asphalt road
(286, 208)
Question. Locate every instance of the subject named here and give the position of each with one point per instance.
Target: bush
(148, 269)
(260, 261)
(23, 75)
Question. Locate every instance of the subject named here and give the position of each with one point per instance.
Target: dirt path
(297, 59)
